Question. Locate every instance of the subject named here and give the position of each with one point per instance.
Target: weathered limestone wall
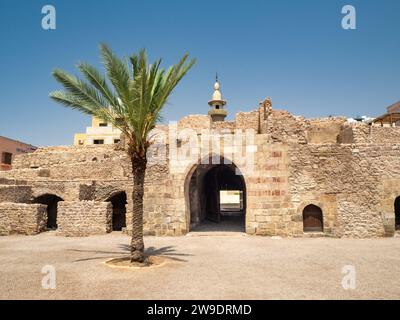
(382, 135)
(274, 206)
(70, 163)
(268, 208)
(325, 130)
(354, 185)
(224, 126)
(352, 180)
(15, 193)
(196, 122)
(346, 135)
(161, 206)
(71, 173)
(351, 171)
(281, 126)
(20, 218)
(364, 133)
(166, 196)
(248, 120)
(83, 218)
(53, 156)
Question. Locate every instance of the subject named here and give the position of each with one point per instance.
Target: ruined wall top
(275, 126)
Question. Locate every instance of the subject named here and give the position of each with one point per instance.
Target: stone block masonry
(21, 218)
(84, 218)
(349, 171)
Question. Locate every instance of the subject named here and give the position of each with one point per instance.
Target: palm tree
(133, 104)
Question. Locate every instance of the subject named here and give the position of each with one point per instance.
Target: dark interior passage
(217, 198)
(51, 201)
(119, 211)
(313, 219)
(397, 213)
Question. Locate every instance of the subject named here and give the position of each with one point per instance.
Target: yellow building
(99, 133)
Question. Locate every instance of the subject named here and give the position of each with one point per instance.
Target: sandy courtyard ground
(203, 267)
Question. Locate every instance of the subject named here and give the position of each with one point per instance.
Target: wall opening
(118, 202)
(216, 198)
(397, 213)
(51, 201)
(313, 219)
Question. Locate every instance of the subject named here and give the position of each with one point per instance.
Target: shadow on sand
(167, 251)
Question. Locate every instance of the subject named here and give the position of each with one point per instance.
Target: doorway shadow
(228, 223)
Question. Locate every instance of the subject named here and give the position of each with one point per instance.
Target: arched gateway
(51, 201)
(118, 201)
(216, 198)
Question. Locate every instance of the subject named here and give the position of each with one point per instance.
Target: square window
(6, 158)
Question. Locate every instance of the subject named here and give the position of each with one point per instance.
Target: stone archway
(118, 201)
(397, 213)
(51, 201)
(216, 198)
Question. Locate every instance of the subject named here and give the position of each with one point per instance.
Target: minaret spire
(217, 111)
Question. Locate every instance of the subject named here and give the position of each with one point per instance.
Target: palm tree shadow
(167, 251)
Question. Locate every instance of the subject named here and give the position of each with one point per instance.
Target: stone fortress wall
(350, 171)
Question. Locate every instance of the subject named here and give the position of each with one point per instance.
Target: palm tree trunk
(137, 246)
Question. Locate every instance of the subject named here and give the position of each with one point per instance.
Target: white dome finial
(216, 84)
(217, 94)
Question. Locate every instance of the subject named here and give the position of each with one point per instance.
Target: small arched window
(313, 219)
(397, 213)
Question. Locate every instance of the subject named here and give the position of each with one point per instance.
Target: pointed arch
(207, 184)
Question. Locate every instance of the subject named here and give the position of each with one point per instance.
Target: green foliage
(131, 97)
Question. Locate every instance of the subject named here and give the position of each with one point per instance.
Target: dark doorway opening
(217, 198)
(51, 201)
(397, 213)
(313, 219)
(118, 202)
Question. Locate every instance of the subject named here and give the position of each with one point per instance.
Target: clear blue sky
(293, 51)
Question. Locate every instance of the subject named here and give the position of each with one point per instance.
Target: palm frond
(72, 102)
(98, 81)
(117, 72)
(134, 102)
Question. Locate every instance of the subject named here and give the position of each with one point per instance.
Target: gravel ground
(234, 266)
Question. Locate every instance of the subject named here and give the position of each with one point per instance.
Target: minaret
(217, 110)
